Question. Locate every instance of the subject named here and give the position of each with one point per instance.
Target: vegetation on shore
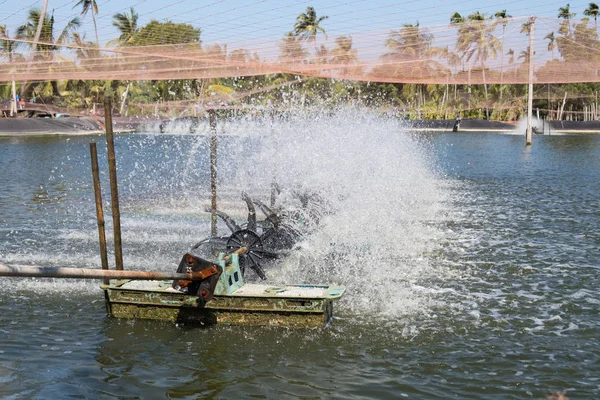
(475, 45)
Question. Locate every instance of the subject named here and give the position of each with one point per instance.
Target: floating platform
(307, 306)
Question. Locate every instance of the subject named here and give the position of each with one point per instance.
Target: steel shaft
(85, 273)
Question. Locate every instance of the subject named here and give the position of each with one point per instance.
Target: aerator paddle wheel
(273, 237)
(255, 255)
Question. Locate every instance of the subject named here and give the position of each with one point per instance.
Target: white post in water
(13, 101)
(530, 91)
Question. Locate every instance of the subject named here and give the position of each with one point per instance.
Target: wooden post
(99, 211)
(530, 92)
(213, 170)
(114, 191)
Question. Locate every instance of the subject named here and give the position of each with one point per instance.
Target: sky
(235, 21)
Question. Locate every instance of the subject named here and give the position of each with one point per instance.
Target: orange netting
(472, 52)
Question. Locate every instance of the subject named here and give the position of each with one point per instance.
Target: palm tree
(459, 21)
(486, 46)
(511, 54)
(77, 91)
(36, 38)
(476, 16)
(525, 27)
(502, 15)
(343, 53)
(85, 50)
(86, 6)
(410, 42)
(456, 18)
(411, 45)
(551, 46)
(476, 41)
(566, 14)
(8, 46)
(291, 49)
(525, 56)
(453, 60)
(48, 44)
(592, 11)
(127, 24)
(307, 25)
(551, 42)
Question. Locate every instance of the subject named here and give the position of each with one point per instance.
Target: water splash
(388, 202)
(539, 126)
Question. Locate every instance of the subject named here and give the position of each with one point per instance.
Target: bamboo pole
(114, 191)
(213, 170)
(99, 211)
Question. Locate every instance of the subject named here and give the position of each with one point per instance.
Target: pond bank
(481, 125)
(94, 125)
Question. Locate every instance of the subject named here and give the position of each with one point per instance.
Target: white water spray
(387, 199)
(539, 126)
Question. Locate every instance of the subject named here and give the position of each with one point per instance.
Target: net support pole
(99, 211)
(530, 91)
(213, 170)
(114, 190)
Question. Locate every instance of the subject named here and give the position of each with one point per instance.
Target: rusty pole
(99, 211)
(213, 170)
(114, 191)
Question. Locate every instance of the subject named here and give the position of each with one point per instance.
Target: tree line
(476, 44)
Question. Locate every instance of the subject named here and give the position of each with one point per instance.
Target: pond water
(470, 261)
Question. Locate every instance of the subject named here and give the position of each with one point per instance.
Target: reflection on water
(470, 261)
